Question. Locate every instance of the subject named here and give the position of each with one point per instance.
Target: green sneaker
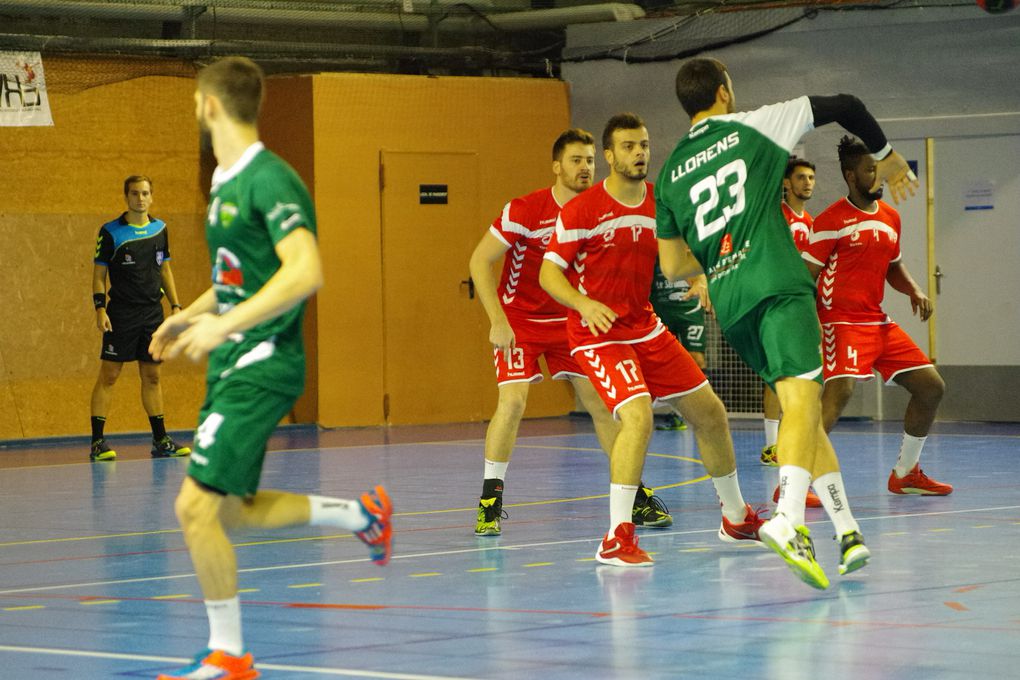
(672, 422)
(769, 456)
(794, 545)
(853, 553)
(168, 448)
(101, 451)
(649, 510)
(490, 514)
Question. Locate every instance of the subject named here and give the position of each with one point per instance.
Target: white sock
(829, 488)
(910, 453)
(495, 469)
(727, 488)
(337, 512)
(793, 485)
(225, 625)
(771, 432)
(621, 505)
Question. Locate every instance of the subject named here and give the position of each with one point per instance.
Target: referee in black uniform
(134, 251)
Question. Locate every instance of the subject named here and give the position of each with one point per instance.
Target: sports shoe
(378, 535)
(811, 501)
(168, 448)
(216, 665)
(621, 549)
(672, 422)
(916, 482)
(794, 545)
(745, 531)
(649, 510)
(853, 553)
(490, 516)
(101, 451)
(769, 456)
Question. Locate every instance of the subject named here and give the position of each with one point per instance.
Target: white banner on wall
(23, 98)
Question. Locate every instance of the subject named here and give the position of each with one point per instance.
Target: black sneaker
(649, 510)
(490, 516)
(672, 422)
(101, 451)
(167, 448)
(853, 553)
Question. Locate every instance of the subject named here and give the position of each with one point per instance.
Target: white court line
(262, 666)
(443, 553)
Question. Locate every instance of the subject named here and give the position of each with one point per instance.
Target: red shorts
(855, 350)
(659, 367)
(533, 339)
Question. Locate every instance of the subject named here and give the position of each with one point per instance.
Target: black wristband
(176, 307)
(99, 300)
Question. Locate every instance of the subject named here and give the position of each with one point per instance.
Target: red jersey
(526, 225)
(608, 252)
(800, 226)
(855, 249)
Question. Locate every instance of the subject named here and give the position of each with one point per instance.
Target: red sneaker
(812, 500)
(916, 482)
(621, 549)
(216, 665)
(746, 531)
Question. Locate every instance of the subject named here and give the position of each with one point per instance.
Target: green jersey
(254, 205)
(721, 191)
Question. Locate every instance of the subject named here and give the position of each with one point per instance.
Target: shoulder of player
(832, 217)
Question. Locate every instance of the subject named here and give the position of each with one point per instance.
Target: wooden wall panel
(64, 182)
(510, 122)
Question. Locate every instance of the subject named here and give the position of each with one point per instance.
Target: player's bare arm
(299, 276)
(813, 269)
(487, 253)
(901, 280)
(598, 317)
(166, 276)
(99, 288)
(676, 259)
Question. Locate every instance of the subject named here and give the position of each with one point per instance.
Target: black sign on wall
(433, 194)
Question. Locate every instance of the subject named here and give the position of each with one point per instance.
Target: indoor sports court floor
(95, 581)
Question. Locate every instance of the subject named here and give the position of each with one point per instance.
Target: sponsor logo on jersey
(159, 257)
(128, 259)
(227, 213)
(726, 247)
(228, 271)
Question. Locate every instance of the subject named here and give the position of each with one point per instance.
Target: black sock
(492, 488)
(158, 427)
(98, 423)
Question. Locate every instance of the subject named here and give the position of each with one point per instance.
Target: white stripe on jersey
(784, 123)
(639, 222)
(875, 225)
(553, 257)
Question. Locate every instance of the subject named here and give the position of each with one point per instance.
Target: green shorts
(780, 338)
(688, 327)
(235, 423)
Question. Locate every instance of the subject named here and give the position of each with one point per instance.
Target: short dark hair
(850, 151)
(621, 121)
(238, 82)
(795, 163)
(697, 81)
(571, 136)
(135, 179)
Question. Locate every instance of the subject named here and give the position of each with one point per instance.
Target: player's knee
(933, 389)
(108, 374)
(636, 419)
(512, 404)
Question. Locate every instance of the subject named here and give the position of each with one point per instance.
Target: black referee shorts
(132, 332)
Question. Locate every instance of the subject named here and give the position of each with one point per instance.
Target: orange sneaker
(812, 500)
(378, 536)
(746, 531)
(216, 665)
(916, 482)
(621, 549)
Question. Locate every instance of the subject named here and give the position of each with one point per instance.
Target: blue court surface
(96, 582)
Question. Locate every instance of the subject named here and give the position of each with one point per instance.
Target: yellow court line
(88, 603)
(481, 569)
(305, 585)
(425, 574)
(171, 597)
(367, 579)
(248, 590)
(90, 538)
(23, 608)
(539, 564)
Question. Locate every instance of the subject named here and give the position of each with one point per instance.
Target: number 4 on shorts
(205, 435)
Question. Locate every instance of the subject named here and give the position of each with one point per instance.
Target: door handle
(938, 280)
(469, 282)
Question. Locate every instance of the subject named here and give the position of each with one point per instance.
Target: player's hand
(921, 305)
(699, 288)
(598, 317)
(894, 171)
(204, 333)
(103, 321)
(166, 335)
(502, 338)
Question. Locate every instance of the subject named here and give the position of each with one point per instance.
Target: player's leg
(905, 364)
(835, 396)
(500, 437)
(163, 445)
(648, 509)
(770, 417)
(102, 396)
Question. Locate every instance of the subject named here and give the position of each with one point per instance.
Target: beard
(577, 185)
(630, 173)
(871, 195)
